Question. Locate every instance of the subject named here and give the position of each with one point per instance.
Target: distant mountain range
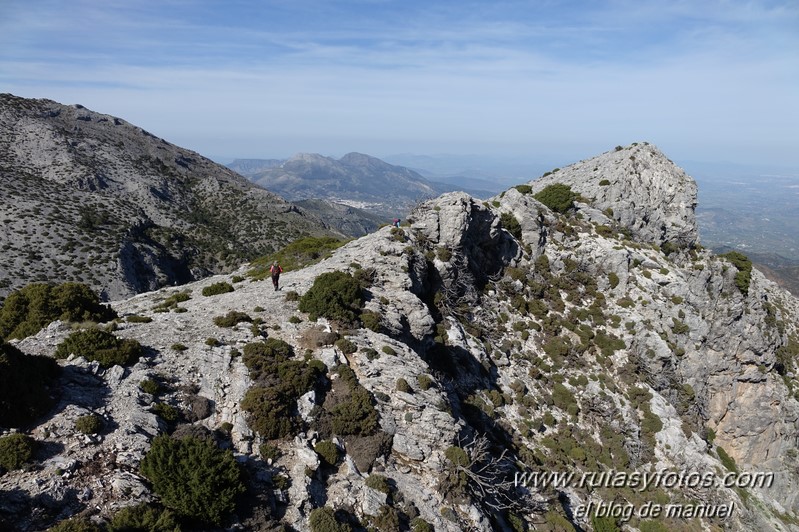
(356, 179)
(90, 197)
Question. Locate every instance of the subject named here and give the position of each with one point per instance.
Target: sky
(547, 80)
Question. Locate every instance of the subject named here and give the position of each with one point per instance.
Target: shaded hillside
(409, 379)
(89, 197)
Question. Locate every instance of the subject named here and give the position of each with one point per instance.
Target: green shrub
(511, 224)
(292, 295)
(346, 346)
(424, 381)
(378, 483)
(457, 456)
(295, 319)
(218, 288)
(558, 197)
(212, 342)
(172, 301)
(138, 319)
(28, 310)
(193, 477)
(420, 525)
(101, 346)
(604, 524)
(444, 254)
(16, 450)
(744, 267)
(386, 520)
(166, 412)
(26, 385)
(334, 295)
(89, 424)
(371, 320)
(327, 451)
(280, 381)
(524, 189)
(324, 520)
(178, 347)
(269, 452)
(604, 183)
(387, 349)
(150, 386)
(403, 386)
(613, 279)
(231, 319)
(145, 518)
(355, 415)
(236, 279)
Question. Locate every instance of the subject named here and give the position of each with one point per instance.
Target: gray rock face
(574, 349)
(647, 193)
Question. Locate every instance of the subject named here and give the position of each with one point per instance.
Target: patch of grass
(138, 319)
(296, 255)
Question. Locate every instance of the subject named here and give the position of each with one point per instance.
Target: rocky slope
(510, 339)
(92, 198)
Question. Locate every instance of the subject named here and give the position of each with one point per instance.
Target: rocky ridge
(573, 343)
(93, 198)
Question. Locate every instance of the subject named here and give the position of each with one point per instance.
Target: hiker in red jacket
(275, 270)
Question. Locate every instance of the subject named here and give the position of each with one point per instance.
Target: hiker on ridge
(275, 270)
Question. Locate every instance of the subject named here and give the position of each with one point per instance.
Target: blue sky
(548, 80)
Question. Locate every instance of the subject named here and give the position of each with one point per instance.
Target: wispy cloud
(369, 74)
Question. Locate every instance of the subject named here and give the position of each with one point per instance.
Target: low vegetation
(744, 266)
(193, 477)
(558, 197)
(27, 384)
(101, 346)
(217, 288)
(334, 295)
(15, 451)
(296, 255)
(28, 310)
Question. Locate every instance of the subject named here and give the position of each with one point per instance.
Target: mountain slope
(503, 339)
(90, 197)
(354, 179)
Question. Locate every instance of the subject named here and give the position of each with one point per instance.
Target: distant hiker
(396, 222)
(275, 270)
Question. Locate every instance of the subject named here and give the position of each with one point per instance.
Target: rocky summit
(563, 356)
(92, 198)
